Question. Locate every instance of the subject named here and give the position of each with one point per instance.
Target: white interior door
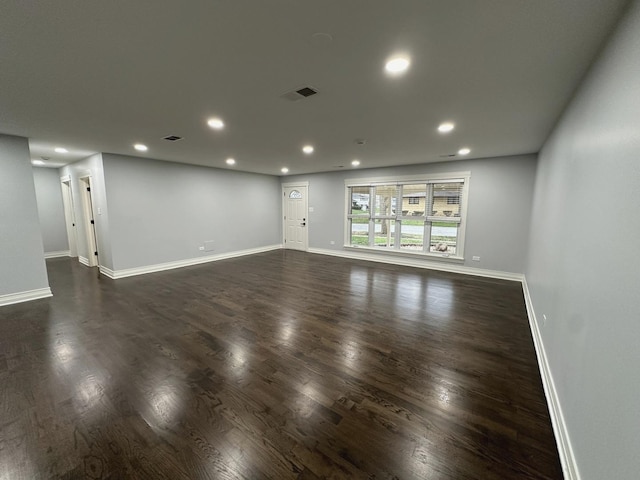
(89, 222)
(295, 206)
(69, 216)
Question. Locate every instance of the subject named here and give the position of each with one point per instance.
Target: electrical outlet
(476, 258)
(201, 248)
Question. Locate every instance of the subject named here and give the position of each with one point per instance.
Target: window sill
(431, 256)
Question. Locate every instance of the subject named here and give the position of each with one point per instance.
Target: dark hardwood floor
(282, 365)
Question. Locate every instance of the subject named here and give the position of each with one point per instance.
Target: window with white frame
(417, 214)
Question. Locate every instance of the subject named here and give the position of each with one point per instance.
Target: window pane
(385, 233)
(414, 199)
(412, 235)
(360, 231)
(444, 238)
(359, 201)
(446, 199)
(386, 200)
(421, 216)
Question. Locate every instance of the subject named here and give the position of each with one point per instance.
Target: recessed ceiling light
(140, 147)
(355, 163)
(284, 170)
(308, 149)
(215, 123)
(464, 151)
(37, 162)
(61, 150)
(446, 127)
(397, 65)
(231, 161)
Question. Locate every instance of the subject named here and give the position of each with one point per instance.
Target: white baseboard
(108, 272)
(83, 260)
(61, 253)
(563, 442)
(419, 263)
(25, 296)
(130, 272)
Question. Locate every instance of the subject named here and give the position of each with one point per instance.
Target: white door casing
(69, 215)
(88, 217)
(295, 216)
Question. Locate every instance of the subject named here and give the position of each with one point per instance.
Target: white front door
(294, 207)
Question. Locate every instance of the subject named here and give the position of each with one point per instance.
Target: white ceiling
(102, 75)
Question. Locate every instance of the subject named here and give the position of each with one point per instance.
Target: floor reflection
(422, 296)
(90, 390)
(166, 402)
(351, 353)
(277, 365)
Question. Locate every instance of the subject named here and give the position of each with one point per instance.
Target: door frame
(284, 186)
(69, 214)
(91, 234)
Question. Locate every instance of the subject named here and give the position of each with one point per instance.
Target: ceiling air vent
(172, 138)
(306, 91)
(299, 94)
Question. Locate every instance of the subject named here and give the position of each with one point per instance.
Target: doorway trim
(284, 186)
(69, 214)
(87, 200)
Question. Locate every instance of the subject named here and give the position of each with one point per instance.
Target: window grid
(378, 222)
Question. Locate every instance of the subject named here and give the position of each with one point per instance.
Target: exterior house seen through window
(421, 215)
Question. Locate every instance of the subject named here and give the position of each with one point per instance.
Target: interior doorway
(295, 215)
(89, 221)
(69, 215)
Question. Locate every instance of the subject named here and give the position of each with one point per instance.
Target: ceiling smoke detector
(172, 138)
(299, 94)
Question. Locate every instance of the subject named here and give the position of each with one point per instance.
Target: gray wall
(22, 266)
(50, 209)
(500, 195)
(91, 166)
(161, 211)
(583, 268)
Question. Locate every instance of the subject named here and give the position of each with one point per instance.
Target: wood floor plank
(282, 365)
